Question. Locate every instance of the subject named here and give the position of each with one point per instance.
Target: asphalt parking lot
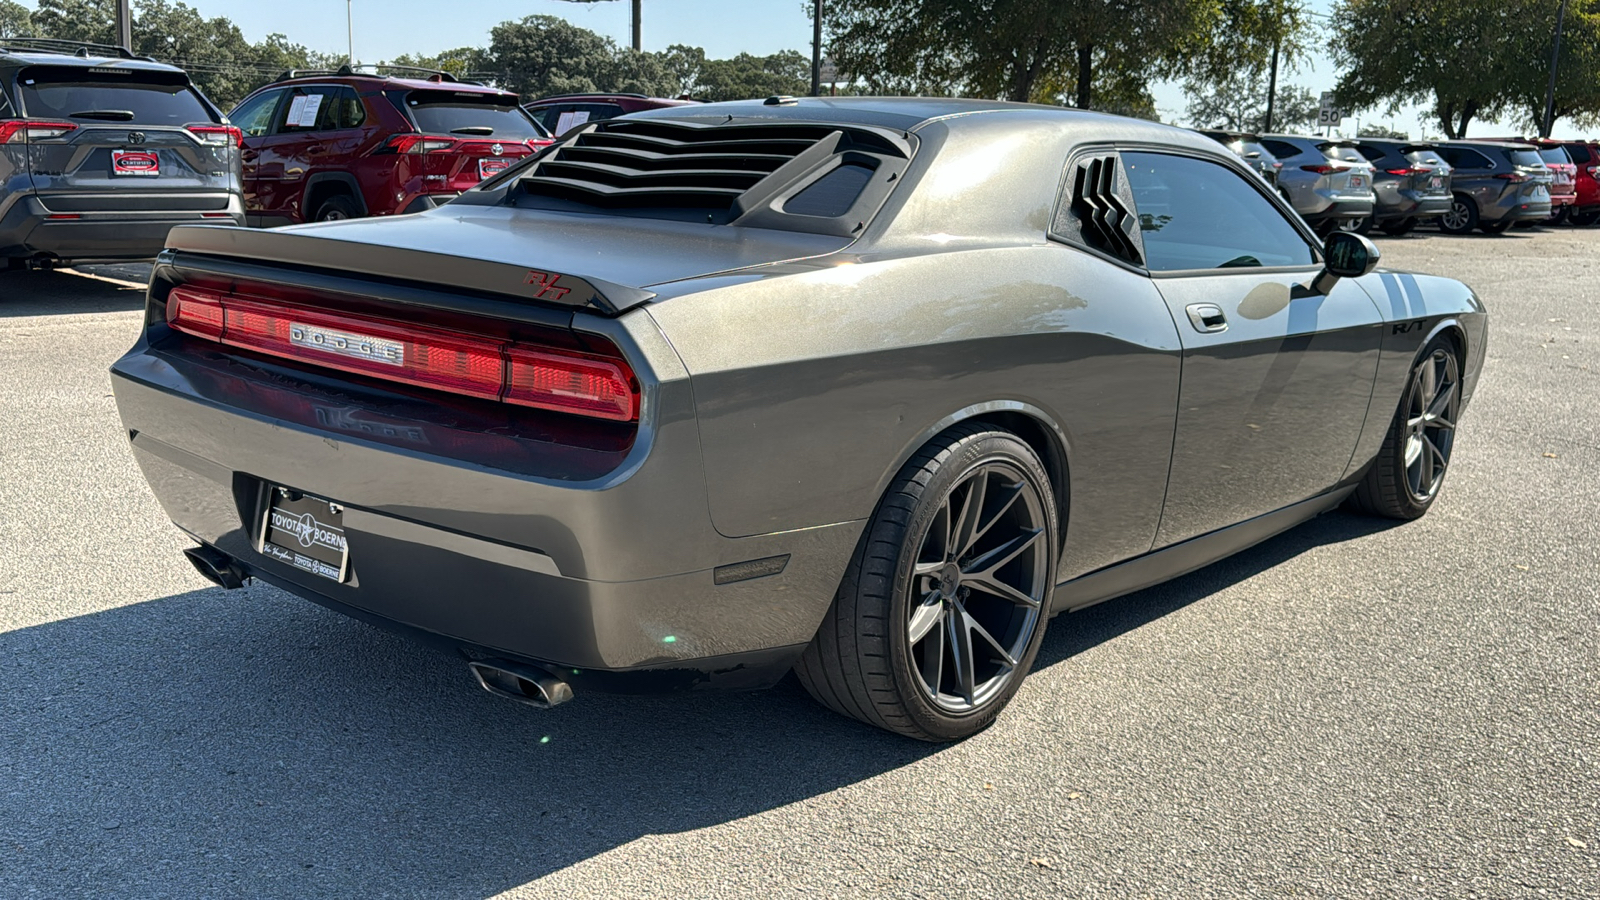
(1352, 709)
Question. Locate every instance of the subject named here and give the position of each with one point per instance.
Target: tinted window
(1528, 159)
(1372, 153)
(1281, 149)
(306, 109)
(1555, 156)
(1245, 148)
(85, 96)
(1425, 157)
(1462, 158)
(1579, 153)
(1200, 215)
(254, 116)
(831, 195)
(1343, 152)
(469, 114)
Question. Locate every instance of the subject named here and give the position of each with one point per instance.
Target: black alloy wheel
(1410, 468)
(944, 605)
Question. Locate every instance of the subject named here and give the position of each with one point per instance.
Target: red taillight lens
(420, 143)
(539, 143)
(195, 312)
(474, 365)
(19, 131)
(591, 385)
(218, 135)
(1320, 170)
(1513, 177)
(1413, 170)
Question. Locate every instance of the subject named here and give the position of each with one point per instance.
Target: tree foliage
(16, 20)
(1240, 104)
(1466, 59)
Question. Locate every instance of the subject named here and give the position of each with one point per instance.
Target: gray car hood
(597, 261)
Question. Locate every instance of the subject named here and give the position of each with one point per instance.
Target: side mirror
(1345, 255)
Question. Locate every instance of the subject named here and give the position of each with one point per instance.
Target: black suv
(102, 152)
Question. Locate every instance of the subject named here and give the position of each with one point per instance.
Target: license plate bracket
(304, 531)
(491, 167)
(136, 163)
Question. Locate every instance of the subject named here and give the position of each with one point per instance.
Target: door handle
(1207, 317)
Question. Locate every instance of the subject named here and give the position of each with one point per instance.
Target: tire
(1494, 227)
(1560, 217)
(339, 206)
(1398, 227)
(1398, 486)
(866, 661)
(1583, 218)
(1364, 226)
(1462, 217)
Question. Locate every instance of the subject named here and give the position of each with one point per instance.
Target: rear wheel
(335, 208)
(944, 604)
(1494, 227)
(1406, 476)
(1398, 227)
(1560, 216)
(1364, 226)
(1585, 217)
(1462, 216)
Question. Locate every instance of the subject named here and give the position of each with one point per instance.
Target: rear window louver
(1100, 212)
(642, 163)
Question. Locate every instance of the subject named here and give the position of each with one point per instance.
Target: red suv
(1586, 156)
(565, 111)
(373, 141)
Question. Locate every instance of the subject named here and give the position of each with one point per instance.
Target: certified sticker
(135, 162)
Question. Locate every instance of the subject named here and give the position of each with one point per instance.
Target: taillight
(218, 135)
(1320, 170)
(1513, 177)
(18, 131)
(489, 368)
(539, 143)
(419, 143)
(568, 382)
(1413, 170)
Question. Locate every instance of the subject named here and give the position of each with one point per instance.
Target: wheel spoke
(940, 530)
(986, 564)
(961, 656)
(988, 638)
(1011, 493)
(1441, 403)
(933, 658)
(1428, 383)
(1438, 460)
(926, 568)
(991, 585)
(966, 528)
(926, 617)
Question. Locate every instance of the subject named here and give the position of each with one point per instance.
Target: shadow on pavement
(46, 293)
(252, 744)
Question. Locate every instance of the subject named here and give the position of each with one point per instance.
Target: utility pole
(1549, 122)
(1272, 85)
(638, 25)
(125, 25)
(816, 48)
(350, 31)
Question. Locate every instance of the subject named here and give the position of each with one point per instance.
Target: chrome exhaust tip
(533, 685)
(218, 568)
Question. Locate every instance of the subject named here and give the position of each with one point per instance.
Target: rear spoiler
(438, 271)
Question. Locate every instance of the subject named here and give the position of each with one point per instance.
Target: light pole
(1549, 122)
(124, 25)
(816, 48)
(350, 31)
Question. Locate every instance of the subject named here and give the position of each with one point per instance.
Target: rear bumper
(1341, 208)
(28, 229)
(1399, 204)
(615, 576)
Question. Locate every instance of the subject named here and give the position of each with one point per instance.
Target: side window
(1462, 158)
(1579, 153)
(1196, 214)
(306, 109)
(1281, 149)
(342, 110)
(254, 116)
(1373, 154)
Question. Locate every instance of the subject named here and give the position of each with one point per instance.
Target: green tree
(542, 55)
(76, 20)
(746, 77)
(1380, 131)
(1466, 59)
(1022, 49)
(15, 20)
(1240, 104)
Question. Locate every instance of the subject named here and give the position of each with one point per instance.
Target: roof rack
(67, 48)
(373, 70)
(593, 94)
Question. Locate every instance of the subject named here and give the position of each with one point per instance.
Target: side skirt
(1182, 558)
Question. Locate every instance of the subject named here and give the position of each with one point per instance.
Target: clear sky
(385, 29)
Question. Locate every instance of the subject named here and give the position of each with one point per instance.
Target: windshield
(470, 114)
(1343, 152)
(1527, 159)
(80, 96)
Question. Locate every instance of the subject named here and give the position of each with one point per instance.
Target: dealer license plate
(1436, 183)
(305, 532)
(140, 163)
(1358, 181)
(488, 167)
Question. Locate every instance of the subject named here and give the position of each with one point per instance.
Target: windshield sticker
(570, 120)
(308, 115)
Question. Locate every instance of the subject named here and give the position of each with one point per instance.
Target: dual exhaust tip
(525, 683)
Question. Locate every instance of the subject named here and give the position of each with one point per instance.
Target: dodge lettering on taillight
(346, 343)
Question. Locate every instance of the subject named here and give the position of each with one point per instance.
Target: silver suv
(1328, 182)
(1494, 186)
(102, 152)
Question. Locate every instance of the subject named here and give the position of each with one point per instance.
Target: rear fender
(323, 185)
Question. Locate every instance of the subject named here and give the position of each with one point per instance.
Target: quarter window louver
(1099, 209)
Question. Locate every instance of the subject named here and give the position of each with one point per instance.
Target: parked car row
(1392, 185)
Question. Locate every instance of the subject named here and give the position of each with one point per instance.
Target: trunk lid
(139, 141)
(601, 263)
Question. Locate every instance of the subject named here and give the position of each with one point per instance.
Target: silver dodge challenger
(865, 389)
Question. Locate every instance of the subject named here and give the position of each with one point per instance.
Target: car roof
(419, 84)
(911, 113)
(574, 98)
(1496, 145)
(32, 56)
